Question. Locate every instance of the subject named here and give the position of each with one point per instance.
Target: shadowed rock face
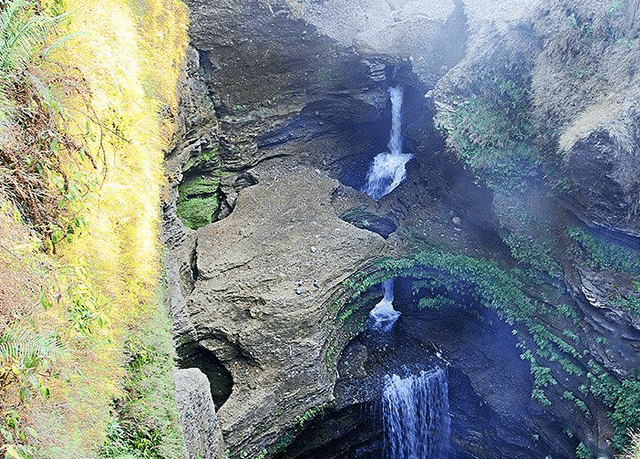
(284, 104)
(492, 413)
(605, 176)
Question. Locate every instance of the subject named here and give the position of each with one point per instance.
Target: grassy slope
(101, 284)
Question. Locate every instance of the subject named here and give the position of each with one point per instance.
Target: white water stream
(388, 168)
(385, 174)
(383, 314)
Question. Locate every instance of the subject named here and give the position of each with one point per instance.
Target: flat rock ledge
(261, 302)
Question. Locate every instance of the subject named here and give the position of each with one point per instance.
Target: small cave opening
(208, 193)
(200, 198)
(193, 355)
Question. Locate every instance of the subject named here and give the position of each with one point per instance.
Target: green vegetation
(622, 398)
(594, 252)
(145, 422)
(24, 38)
(26, 357)
(493, 130)
(81, 168)
(436, 302)
(633, 452)
(536, 253)
(441, 278)
(493, 286)
(359, 216)
(495, 133)
(199, 192)
(541, 376)
(203, 160)
(493, 127)
(33, 147)
(309, 415)
(569, 312)
(584, 452)
(590, 56)
(198, 200)
(630, 303)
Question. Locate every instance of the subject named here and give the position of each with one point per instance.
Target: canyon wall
(284, 105)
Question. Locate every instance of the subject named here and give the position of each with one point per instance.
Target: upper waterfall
(388, 168)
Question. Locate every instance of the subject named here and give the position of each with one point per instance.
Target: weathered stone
(296, 102)
(604, 168)
(247, 294)
(202, 435)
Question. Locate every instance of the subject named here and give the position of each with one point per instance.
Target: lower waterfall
(416, 416)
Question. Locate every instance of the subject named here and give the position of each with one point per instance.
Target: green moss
(198, 198)
(206, 156)
(197, 212)
(195, 186)
(198, 201)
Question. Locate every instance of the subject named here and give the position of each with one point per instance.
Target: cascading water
(388, 168)
(383, 314)
(416, 416)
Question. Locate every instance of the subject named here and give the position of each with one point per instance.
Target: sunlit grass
(120, 66)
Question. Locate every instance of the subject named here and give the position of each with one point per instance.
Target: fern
(23, 35)
(24, 357)
(20, 343)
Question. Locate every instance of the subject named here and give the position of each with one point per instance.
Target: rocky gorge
(513, 240)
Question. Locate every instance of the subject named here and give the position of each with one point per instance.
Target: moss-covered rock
(198, 200)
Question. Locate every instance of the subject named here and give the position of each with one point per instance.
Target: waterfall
(416, 416)
(383, 314)
(388, 168)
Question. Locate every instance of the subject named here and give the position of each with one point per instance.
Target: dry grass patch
(105, 144)
(590, 63)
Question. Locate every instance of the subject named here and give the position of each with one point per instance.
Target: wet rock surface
(261, 299)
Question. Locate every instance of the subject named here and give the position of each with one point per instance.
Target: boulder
(202, 435)
(604, 168)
